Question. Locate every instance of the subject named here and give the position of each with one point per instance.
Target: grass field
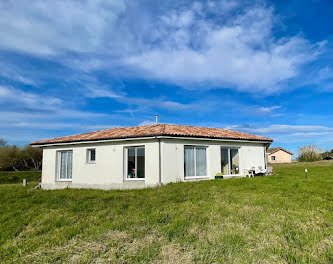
(18, 176)
(275, 219)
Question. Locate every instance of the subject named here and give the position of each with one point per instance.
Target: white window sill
(91, 162)
(64, 180)
(195, 177)
(135, 179)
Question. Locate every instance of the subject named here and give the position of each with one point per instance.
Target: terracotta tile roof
(272, 150)
(154, 130)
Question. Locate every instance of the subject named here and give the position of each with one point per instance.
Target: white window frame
(273, 157)
(59, 165)
(229, 163)
(195, 162)
(136, 156)
(89, 161)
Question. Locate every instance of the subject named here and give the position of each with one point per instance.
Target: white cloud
(223, 6)
(27, 99)
(241, 53)
(321, 78)
(194, 44)
(96, 92)
(92, 90)
(158, 103)
(289, 136)
(268, 109)
(25, 112)
(52, 27)
(21, 110)
(295, 130)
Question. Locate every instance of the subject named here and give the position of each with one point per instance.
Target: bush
(309, 153)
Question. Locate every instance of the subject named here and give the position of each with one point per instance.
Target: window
(195, 162)
(273, 157)
(229, 161)
(135, 163)
(91, 155)
(65, 163)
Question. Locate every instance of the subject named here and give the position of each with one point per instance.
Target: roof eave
(41, 144)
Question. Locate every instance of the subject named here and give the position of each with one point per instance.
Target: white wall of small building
(109, 170)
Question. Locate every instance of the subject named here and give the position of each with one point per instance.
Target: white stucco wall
(109, 170)
(250, 155)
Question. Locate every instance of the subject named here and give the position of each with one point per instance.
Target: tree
(328, 153)
(309, 153)
(10, 158)
(32, 157)
(3, 143)
(16, 158)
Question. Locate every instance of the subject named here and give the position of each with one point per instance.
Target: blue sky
(262, 67)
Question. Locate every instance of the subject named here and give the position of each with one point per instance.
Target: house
(142, 156)
(278, 155)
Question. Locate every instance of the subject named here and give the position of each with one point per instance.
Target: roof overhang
(150, 137)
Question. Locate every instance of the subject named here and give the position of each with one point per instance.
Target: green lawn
(275, 219)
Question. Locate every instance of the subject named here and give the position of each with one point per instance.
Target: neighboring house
(142, 156)
(278, 155)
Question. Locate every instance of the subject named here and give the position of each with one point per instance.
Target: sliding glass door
(225, 161)
(229, 161)
(135, 163)
(234, 161)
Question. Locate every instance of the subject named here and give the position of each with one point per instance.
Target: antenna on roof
(156, 119)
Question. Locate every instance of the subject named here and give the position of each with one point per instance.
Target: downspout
(265, 157)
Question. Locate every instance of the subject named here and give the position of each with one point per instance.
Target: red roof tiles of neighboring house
(272, 150)
(154, 130)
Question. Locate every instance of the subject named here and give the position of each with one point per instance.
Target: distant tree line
(313, 153)
(17, 158)
(327, 154)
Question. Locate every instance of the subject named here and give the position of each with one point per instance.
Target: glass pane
(69, 164)
(224, 161)
(234, 158)
(63, 157)
(140, 159)
(131, 163)
(201, 161)
(92, 155)
(189, 161)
